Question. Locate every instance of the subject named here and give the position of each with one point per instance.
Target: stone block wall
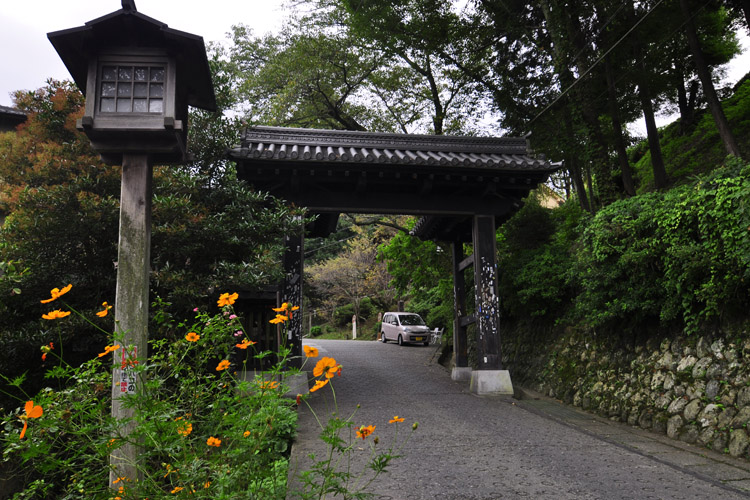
(693, 388)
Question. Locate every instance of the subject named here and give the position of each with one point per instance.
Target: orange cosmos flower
(192, 337)
(318, 385)
(226, 299)
(108, 349)
(363, 431)
(283, 307)
(55, 293)
(310, 352)
(395, 419)
(268, 384)
(244, 435)
(245, 344)
(56, 314)
(183, 428)
(326, 365)
(31, 411)
(212, 441)
(280, 318)
(177, 489)
(104, 312)
(223, 365)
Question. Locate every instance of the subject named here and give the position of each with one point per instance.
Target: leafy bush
(343, 315)
(316, 331)
(202, 426)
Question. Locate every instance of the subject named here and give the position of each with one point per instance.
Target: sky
(27, 58)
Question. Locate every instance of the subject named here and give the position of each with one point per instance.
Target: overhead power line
(583, 75)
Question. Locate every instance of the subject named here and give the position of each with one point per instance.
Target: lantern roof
(128, 28)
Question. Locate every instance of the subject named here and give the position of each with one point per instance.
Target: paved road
(471, 448)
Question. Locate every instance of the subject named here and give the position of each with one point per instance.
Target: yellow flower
(226, 299)
(395, 419)
(212, 441)
(363, 431)
(108, 349)
(280, 318)
(31, 411)
(318, 385)
(223, 365)
(55, 293)
(104, 312)
(245, 344)
(246, 434)
(56, 314)
(177, 489)
(326, 365)
(192, 337)
(310, 352)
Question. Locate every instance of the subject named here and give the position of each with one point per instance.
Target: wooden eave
(331, 171)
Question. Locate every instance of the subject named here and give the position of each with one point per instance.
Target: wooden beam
(468, 261)
(131, 304)
(460, 344)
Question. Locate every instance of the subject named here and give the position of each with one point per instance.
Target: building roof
(10, 118)
(310, 145)
(446, 179)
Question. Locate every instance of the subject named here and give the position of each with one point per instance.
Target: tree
(352, 275)
(704, 74)
(63, 203)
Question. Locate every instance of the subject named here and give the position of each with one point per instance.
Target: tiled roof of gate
(312, 145)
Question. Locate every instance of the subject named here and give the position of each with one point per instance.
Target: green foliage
(316, 331)
(203, 425)
(534, 254)
(343, 315)
(699, 151)
(208, 229)
(682, 255)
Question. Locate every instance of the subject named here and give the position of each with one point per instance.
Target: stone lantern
(139, 76)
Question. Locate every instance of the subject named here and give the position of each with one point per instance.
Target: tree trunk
(704, 73)
(573, 163)
(614, 113)
(644, 93)
(686, 104)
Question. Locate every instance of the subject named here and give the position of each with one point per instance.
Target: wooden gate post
(292, 293)
(461, 370)
(490, 378)
(131, 301)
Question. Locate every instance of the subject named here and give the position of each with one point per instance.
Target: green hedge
(680, 257)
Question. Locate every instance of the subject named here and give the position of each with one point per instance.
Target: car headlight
(407, 330)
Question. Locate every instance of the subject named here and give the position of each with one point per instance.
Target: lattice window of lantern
(132, 89)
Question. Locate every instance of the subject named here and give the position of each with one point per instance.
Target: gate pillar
(291, 293)
(490, 378)
(461, 370)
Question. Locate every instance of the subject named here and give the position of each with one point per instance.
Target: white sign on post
(354, 327)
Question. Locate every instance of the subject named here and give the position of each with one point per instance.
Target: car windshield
(410, 320)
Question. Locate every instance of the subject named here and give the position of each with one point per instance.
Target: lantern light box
(139, 76)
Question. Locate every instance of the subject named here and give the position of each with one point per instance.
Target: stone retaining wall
(693, 388)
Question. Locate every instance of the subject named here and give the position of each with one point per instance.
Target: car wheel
(382, 338)
(400, 340)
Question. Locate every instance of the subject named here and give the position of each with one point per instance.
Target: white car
(404, 328)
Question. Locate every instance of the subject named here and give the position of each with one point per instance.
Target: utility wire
(564, 92)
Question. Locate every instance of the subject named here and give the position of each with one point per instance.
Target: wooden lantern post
(139, 76)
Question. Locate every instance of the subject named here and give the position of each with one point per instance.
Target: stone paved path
(471, 448)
